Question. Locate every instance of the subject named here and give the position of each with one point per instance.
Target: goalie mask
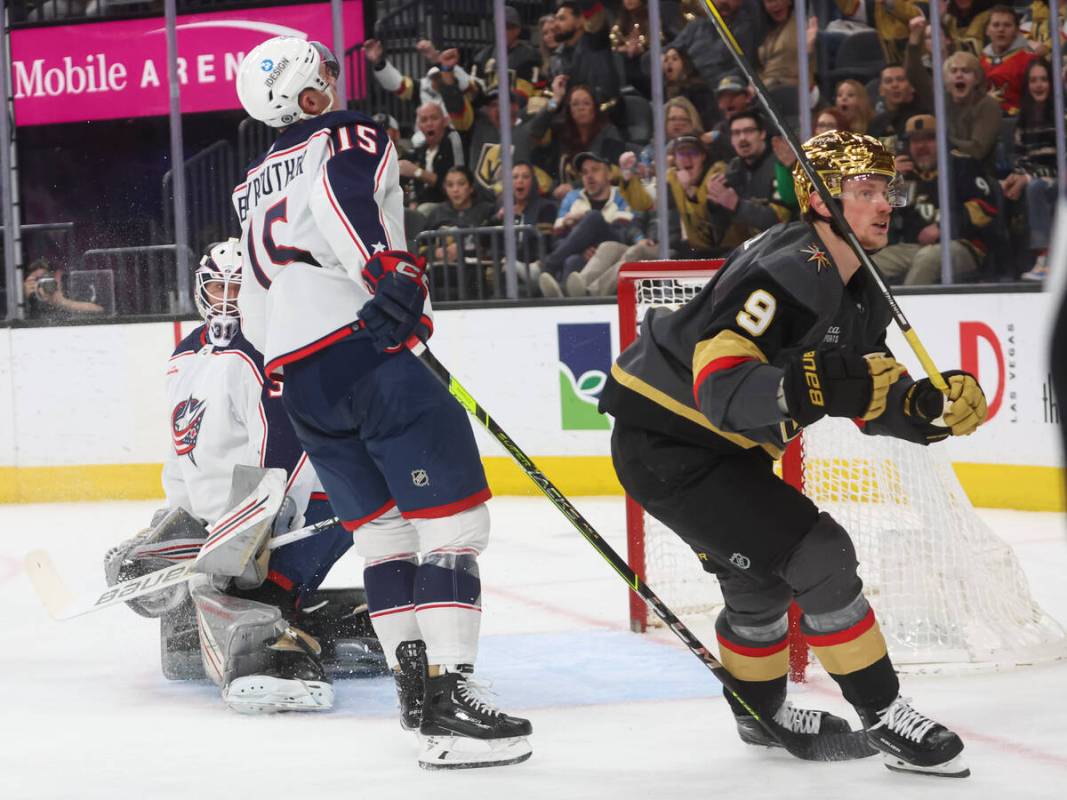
(272, 77)
(218, 280)
(838, 156)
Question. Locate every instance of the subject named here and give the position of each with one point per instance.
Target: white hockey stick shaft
(61, 604)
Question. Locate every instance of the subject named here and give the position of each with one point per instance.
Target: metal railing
(210, 176)
(146, 280)
(468, 263)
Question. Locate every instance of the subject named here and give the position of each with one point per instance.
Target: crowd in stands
(584, 175)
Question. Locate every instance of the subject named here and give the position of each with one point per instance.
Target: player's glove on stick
(394, 316)
(963, 408)
(838, 382)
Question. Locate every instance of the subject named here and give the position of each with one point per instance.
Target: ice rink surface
(87, 713)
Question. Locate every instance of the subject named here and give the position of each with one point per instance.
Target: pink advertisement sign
(113, 70)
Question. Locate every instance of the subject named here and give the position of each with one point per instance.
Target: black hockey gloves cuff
(394, 316)
(964, 406)
(838, 382)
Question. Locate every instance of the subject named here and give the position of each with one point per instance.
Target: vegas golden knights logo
(487, 171)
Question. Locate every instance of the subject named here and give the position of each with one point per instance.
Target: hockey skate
(410, 686)
(911, 742)
(460, 729)
(802, 721)
(294, 681)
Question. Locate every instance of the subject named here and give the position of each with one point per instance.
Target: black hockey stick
(841, 747)
(820, 186)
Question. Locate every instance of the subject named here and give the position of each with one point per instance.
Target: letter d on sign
(970, 333)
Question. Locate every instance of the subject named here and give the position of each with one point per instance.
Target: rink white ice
(615, 715)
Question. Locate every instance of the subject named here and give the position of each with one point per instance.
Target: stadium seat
(860, 57)
(638, 119)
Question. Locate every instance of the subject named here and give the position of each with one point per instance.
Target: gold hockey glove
(963, 409)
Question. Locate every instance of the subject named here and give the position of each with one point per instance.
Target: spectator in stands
(546, 26)
(829, 119)
(852, 100)
(732, 96)
(588, 216)
(742, 202)
(43, 297)
(1005, 58)
(901, 104)
(1035, 25)
(573, 123)
(705, 49)
(523, 60)
(973, 116)
(530, 209)
(964, 23)
(680, 79)
(889, 18)
(914, 254)
(441, 150)
(777, 53)
(445, 67)
(461, 209)
(584, 53)
(1035, 171)
(629, 39)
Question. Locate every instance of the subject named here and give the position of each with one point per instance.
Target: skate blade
(953, 768)
(462, 752)
(262, 694)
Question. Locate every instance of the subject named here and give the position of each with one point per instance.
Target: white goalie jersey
(224, 411)
(314, 209)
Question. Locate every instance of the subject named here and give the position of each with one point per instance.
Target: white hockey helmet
(218, 304)
(272, 76)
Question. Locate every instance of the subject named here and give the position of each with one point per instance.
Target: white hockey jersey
(314, 209)
(225, 412)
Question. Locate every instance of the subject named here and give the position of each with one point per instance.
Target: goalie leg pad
(261, 663)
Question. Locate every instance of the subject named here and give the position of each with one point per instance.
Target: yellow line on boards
(1026, 488)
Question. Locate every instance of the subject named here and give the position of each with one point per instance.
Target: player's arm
(748, 373)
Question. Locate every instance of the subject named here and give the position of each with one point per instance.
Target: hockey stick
(842, 747)
(61, 604)
(836, 214)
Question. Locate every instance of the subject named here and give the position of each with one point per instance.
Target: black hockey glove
(393, 316)
(964, 407)
(838, 382)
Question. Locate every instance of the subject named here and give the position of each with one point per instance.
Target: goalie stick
(61, 604)
(840, 747)
(836, 213)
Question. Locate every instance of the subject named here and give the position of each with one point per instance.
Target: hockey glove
(838, 382)
(393, 316)
(963, 409)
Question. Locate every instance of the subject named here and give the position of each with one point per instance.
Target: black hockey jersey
(710, 371)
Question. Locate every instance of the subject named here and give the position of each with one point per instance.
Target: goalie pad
(260, 662)
(256, 496)
(176, 536)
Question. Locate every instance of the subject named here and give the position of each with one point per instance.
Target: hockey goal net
(949, 593)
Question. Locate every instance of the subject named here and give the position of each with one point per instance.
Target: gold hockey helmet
(837, 155)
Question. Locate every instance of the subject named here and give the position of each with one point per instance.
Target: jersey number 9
(757, 313)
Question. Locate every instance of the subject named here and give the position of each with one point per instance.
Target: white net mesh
(949, 594)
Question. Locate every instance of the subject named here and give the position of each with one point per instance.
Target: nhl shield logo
(420, 478)
(740, 561)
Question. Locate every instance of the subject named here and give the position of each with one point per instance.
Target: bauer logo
(584, 361)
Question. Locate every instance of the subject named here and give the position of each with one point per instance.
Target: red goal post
(642, 285)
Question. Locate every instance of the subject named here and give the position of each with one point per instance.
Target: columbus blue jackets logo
(185, 425)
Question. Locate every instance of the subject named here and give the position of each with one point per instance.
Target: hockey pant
(767, 544)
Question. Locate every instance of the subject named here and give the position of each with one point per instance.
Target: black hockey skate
(911, 742)
(830, 736)
(410, 686)
(461, 730)
(294, 680)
